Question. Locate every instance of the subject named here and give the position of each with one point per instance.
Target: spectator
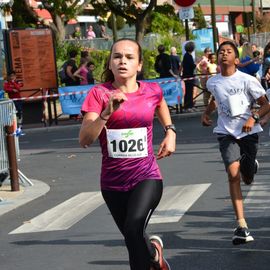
(77, 34)
(175, 62)
(103, 32)
(248, 64)
(241, 43)
(202, 69)
(85, 55)
(188, 67)
(90, 34)
(82, 71)
(163, 63)
(71, 67)
(90, 76)
(254, 47)
(212, 67)
(266, 66)
(13, 87)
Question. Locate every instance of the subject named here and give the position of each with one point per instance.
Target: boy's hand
(247, 127)
(206, 121)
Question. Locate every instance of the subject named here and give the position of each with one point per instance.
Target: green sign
(239, 28)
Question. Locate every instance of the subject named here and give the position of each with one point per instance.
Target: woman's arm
(77, 74)
(91, 128)
(167, 146)
(93, 123)
(69, 73)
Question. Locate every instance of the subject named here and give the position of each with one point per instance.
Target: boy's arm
(205, 119)
(8, 87)
(17, 85)
(264, 109)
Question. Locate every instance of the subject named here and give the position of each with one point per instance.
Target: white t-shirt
(234, 96)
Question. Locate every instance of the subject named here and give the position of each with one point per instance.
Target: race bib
(238, 105)
(127, 143)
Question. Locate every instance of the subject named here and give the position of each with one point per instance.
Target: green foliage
(149, 57)
(199, 17)
(99, 58)
(63, 49)
(120, 22)
(164, 21)
(20, 16)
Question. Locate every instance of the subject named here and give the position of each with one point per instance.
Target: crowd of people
(195, 71)
(90, 33)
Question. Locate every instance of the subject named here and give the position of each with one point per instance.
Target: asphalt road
(199, 239)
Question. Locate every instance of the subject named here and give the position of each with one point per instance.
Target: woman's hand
(167, 146)
(114, 103)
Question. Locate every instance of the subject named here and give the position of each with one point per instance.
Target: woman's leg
(132, 216)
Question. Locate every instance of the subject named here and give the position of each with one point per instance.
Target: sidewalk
(10, 200)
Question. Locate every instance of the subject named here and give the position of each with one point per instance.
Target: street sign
(184, 3)
(186, 13)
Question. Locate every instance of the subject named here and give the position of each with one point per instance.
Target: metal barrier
(8, 119)
(7, 116)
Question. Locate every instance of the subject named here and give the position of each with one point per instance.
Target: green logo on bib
(127, 134)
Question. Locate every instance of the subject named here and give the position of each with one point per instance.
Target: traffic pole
(12, 158)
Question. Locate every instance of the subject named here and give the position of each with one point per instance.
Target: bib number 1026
(127, 145)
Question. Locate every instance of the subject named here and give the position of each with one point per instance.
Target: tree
(61, 12)
(131, 10)
(199, 17)
(164, 21)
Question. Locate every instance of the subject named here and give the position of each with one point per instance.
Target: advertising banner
(73, 96)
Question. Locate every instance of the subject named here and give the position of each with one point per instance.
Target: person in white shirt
(233, 94)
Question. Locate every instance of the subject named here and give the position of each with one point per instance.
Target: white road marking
(257, 202)
(64, 215)
(176, 200)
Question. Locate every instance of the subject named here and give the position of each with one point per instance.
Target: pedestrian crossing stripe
(64, 215)
(176, 200)
(257, 203)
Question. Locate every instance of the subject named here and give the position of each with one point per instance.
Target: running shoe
(241, 236)
(161, 264)
(248, 180)
(257, 166)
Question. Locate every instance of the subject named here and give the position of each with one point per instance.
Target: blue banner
(172, 90)
(71, 104)
(72, 100)
(204, 38)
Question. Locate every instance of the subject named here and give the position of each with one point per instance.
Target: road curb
(28, 194)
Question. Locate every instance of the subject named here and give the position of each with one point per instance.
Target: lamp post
(254, 16)
(213, 19)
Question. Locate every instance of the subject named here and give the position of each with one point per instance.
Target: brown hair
(107, 75)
